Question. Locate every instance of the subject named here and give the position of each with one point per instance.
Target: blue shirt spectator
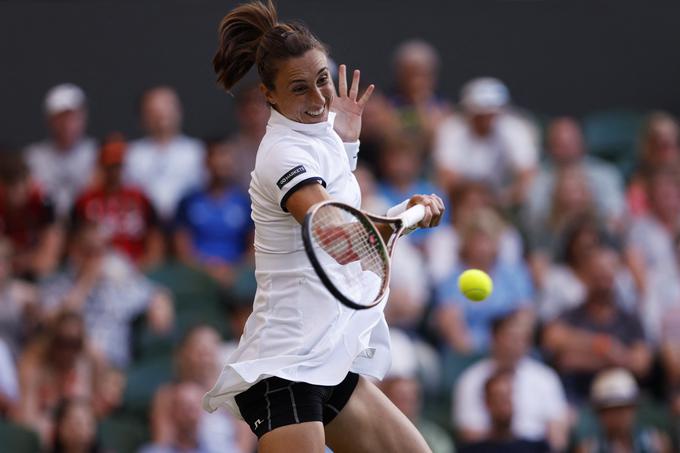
(512, 290)
(218, 224)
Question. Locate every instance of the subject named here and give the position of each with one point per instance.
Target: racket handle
(413, 215)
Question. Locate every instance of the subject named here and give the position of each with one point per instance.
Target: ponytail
(251, 34)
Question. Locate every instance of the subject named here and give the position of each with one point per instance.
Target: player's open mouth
(316, 113)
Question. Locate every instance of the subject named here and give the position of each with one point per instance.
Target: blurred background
(549, 127)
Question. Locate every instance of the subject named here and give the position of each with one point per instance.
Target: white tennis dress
(298, 330)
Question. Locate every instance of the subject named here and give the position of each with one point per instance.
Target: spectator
(442, 246)
(28, 220)
(379, 121)
(498, 398)
(9, 385)
(563, 285)
(465, 326)
(123, 213)
(109, 292)
(252, 114)
(540, 409)
(75, 428)
(166, 164)
(416, 67)
(19, 314)
(653, 235)
(566, 148)
(659, 149)
(198, 363)
(571, 199)
(57, 366)
(488, 143)
(614, 396)
(185, 416)
(401, 160)
(213, 226)
(598, 333)
(63, 164)
(402, 387)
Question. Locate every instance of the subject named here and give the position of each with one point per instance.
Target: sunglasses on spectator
(73, 343)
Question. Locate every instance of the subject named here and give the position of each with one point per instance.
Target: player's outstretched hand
(347, 107)
(434, 209)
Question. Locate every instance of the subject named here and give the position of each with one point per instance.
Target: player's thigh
(369, 422)
(302, 437)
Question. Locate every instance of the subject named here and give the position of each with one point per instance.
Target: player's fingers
(354, 88)
(427, 218)
(366, 96)
(342, 80)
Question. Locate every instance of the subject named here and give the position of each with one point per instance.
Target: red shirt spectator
(124, 213)
(27, 219)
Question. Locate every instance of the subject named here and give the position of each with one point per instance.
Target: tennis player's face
(303, 88)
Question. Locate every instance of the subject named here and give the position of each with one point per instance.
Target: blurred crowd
(126, 272)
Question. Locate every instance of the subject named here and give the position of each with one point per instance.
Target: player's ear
(268, 94)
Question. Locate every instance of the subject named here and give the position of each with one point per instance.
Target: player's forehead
(308, 66)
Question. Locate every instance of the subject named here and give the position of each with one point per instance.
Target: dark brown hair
(251, 34)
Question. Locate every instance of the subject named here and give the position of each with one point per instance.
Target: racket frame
(399, 225)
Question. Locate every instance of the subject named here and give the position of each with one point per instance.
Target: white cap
(614, 388)
(404, 356)
(64, 97)
(484, 95)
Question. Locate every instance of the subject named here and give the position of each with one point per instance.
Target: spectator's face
(416, 77)
(67, 127)
(617, 421)
(161, 113)
(68, 343)
(89, 247)
(187, 407)
(601, 267)
(220, 161)
(511, 342)
(583, 242)
(481, 248)
(499, 402)
(401, 165)
(565, 141)
(200, 354)
(405, 394)
(77, 428)
(664, 196)
(572, 194)
(303, 88)
(663, 147)
(482, 123)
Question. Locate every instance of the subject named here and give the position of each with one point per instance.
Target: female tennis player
(297, 376)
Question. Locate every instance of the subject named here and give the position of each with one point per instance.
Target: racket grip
(413, 215)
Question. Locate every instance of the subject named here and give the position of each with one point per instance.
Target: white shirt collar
(308, 129)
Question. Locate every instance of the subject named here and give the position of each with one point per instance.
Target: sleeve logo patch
(285, 179)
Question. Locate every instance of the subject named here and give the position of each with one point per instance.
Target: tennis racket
(348, 252)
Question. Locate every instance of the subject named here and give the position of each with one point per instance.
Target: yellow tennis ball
(476, 285)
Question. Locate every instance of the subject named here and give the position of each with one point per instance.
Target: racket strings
(346, 239)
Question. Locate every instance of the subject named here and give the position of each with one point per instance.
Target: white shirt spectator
(538, 399)
(167, 172)
(509, 149)
(9, 385)
(655, 243)
(62, 174)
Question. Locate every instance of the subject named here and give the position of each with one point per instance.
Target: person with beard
(598, 333)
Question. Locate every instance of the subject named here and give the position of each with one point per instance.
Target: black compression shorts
(276, 402)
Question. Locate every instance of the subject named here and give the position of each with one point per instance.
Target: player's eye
(299, 89)
(322, 80)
